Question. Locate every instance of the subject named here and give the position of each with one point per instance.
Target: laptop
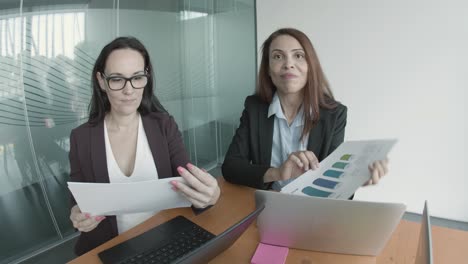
(178, 240)
(327, 225)
(424, 253)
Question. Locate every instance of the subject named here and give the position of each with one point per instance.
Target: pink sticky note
(269, 254)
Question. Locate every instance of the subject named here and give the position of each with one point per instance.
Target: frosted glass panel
(46, 56)
(235, 65)
(25, 221)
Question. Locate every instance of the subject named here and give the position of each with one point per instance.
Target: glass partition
(25, 221)
(235, 63)
(203, 53)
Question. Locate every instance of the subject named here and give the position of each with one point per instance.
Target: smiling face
(123, 63)
(287, 65)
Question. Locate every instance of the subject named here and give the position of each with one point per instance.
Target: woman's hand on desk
(377, 169)
(296, 164)
(202, 189)
(84, 222)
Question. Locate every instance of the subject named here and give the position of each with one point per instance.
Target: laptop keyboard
(180, 244)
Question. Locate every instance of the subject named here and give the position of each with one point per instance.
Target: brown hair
(316, 92)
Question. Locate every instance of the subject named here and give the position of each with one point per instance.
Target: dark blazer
(88, 164)
(249, 155)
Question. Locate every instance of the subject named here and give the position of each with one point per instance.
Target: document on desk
(343, 171)
(125, 198)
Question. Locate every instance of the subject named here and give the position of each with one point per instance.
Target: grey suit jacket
(249, 155)
(88, 163)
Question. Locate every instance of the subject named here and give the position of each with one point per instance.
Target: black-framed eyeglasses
(116, 83)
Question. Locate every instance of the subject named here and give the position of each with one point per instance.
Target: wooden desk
(450, 246)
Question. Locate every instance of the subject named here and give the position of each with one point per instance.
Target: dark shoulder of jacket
(338, 110)
(163, 119)
(81, 128)
(253, 102)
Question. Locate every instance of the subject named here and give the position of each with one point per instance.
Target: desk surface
(450, 246)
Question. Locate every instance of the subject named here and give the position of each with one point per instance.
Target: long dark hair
(100, 105)
(316, 92)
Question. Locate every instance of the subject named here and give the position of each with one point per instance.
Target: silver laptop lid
(328, 225)
(424, 253)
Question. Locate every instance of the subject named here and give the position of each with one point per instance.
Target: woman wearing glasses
(129, 137)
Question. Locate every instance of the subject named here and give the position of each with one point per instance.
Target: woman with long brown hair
(292, 122)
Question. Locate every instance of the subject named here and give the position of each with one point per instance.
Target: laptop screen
(424, 253)
(221, 242)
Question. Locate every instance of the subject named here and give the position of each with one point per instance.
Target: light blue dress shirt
(286, 139)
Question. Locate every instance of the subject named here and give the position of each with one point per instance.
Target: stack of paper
(125, 198)
(343, 171)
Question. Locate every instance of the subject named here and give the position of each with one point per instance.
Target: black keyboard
(178, 240)
(182, 243)
(177, 243)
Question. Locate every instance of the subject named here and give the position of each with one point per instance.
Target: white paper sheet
(123, 198)
(343, 171)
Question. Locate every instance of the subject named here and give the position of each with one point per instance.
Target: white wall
(400, 67)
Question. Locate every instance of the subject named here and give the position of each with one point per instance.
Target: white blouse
(144, 170)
